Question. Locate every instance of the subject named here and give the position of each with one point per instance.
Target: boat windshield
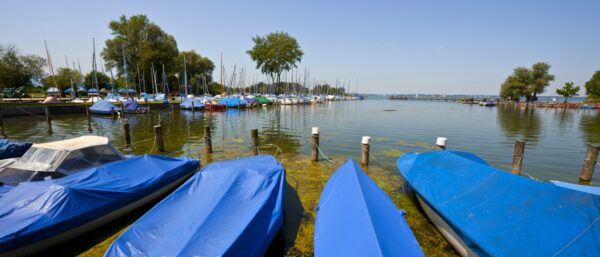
(87, 158)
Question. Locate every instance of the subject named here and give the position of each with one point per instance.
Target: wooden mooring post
(122, 110)
(89, 117)
(589, 164)
(127, 134)
(207, 140)
(315, 144)
(193, 109)
(518, 157)
(158, 137)
(48, 118)
(366, 148)
(440, 143)
(254, 135)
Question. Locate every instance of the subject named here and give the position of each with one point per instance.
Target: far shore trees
(275, 53)
(527, 82)
(592, 87)
(568, 90)
(18, 70)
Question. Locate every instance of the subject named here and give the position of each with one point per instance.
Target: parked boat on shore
(229, 208)
(483, 211)
(355, 217)
(38, 215)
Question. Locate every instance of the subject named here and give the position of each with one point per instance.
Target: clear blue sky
(448, 47)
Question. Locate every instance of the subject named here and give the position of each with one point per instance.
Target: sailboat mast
(125, 69)
(94, 65)
(50, 65)
(185, 76)
(70, 78)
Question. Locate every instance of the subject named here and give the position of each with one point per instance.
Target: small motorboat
(355, 217)
(229, 208)
(189, 104)
(56, 160)
(483, 211)
(37, 215)
(103, 107)
(12, 149)
(132, 106)
(215, 107)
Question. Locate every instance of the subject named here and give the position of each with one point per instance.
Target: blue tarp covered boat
(489, 212)
(132, 106)
(357, 218)
(37, 215)
(233, 102)
(581, 188)
(188, 103)
(12, 149)
(230, 208)
(103, 107)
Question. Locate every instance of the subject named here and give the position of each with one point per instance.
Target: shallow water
(555, 149)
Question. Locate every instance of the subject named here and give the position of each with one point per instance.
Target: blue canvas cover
(582, 188)
(499, 214)
(103, 107)
(130, 105)
(34, 211)
(355, 217)
(230, 208)
(233, 102)
(187, 104)
(12, 149)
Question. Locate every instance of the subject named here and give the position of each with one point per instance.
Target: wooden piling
(315, 144)
(366, 148)
(207, 139)
(193, 109)
(518, 157)
(158, 137)
(89, 117)
(589, 164)
(122, 110)
(48, 118)
(254, 135)
(127, 134)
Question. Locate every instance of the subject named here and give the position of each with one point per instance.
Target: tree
(103, 80)
(275, 53)
(592, 86)
(18, 70)
(568, 90)
(526, 82)
(142, 43)
(199, 69)
(63, 78)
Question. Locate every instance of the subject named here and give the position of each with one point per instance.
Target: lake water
(555, 149)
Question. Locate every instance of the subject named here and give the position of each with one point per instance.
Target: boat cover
(34, 211)
(130, 105)
(12, 149)
(499, 214)
(187, 104)
(103, 107)
(233, 102)
(357, 218)
(262, 100)
(582, 188)
(250, 101)
(230, 208)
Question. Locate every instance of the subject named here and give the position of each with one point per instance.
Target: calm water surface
(555, 149)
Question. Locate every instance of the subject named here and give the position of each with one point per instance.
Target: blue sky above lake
(448, 47)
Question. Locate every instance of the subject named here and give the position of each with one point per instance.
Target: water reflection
(519, 123)
(589, 124)
(564, 119)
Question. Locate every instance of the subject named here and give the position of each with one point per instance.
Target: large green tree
(63, 78)
(17, 69)
(527, 82)
(275, 53)
(103, 80)
(592, 86)
(143, 43)
(199, 70)
(568, 90)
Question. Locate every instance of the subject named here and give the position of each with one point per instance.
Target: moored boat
(229, 208)
(483, 211)
(189, 104)
(355, 217)
(38, 215)
(12, 149)
(103, 107)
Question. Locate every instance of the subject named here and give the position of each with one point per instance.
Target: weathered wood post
(315, 144)
(88, 116)
(518, 157)
(158, 137)
(366, 148)
(254, 135)
(589, 164)
(207, 139)
(127, 134)
(193, 109)
(48, 118)
(440, 143)
(147, 105)
(122, 110)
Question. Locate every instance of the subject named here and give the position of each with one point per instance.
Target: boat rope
(324, 156)
(278, 150)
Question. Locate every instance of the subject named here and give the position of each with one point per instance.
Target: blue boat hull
(230, 208)
(357, 218)
(494, 213)
(37, 215)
